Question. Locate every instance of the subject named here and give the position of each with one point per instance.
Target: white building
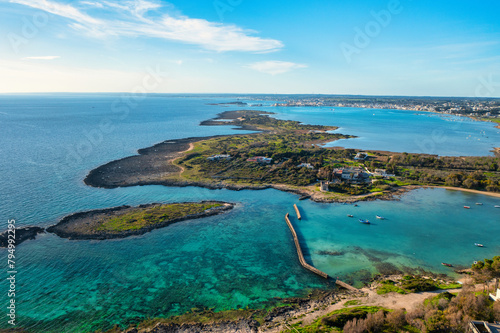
(361, 156)
(495, 297)
(305, 165)
(219, 157)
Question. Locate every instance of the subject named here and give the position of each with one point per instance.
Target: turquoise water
(243, 258)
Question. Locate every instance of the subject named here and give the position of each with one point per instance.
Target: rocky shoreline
(270, 320)
(80, 225)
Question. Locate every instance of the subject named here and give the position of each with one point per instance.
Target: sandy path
(491, 194)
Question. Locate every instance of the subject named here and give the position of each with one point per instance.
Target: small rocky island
(124, 221)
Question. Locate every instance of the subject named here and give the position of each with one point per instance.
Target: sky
(366, 47)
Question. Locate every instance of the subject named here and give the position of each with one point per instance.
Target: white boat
(380, 217)
(478, 245)
(497, 206)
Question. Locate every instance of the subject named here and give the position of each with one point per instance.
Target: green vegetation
(414, 284)
(441, 313)
(487, 269)
(480, 173)
(389, 286)
(142, 217)
(337, 319)
(352, 302)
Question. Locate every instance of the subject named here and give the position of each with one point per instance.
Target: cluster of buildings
(352, 175)
(459, 106)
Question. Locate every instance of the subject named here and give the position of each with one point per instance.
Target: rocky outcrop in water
(84, 225)
(21, 235)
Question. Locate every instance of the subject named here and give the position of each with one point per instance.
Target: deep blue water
(243, 258)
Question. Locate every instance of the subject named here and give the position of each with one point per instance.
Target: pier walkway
(297, 211)
(305, 264)
(299, 250)
(345, 285)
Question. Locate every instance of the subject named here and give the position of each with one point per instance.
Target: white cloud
(133, 23)
(60, 10)
(92, 3)
(275, 67)
(42, 58)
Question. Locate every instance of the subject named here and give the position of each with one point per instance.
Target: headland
(290, 156)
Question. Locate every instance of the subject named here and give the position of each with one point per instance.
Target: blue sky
(405, 47)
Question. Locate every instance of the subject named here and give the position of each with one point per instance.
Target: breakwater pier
(303, 261)
(299, 250)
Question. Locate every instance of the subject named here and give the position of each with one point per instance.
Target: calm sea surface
(243, 258)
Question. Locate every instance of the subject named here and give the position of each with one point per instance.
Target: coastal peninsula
(290, 156)
(124, 221)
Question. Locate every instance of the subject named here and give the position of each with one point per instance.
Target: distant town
(472, 107)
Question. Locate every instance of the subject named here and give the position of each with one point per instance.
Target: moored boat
(497, 206)
(479, 203)
(467, 207)
(380, 217)
(349, 215)
(479, 245)
(447, 265)
(364, 221)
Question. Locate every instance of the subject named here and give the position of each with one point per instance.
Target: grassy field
(412, 284)
(142, 217)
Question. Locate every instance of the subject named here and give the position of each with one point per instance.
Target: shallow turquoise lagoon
(243, 258)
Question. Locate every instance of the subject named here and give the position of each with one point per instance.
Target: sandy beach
(491, 194)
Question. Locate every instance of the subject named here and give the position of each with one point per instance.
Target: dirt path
(191, 147)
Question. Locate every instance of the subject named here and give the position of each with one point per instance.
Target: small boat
(479, 245)
(479, 203)
(349, 215)
(364, 221)
(467, 207)
(356, 205)
(380, 217)
(447, 265)
(304, 197)
(497, 206)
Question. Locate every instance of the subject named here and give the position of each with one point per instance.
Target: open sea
(243, 258)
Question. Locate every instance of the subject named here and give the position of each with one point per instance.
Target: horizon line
(244, 94)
